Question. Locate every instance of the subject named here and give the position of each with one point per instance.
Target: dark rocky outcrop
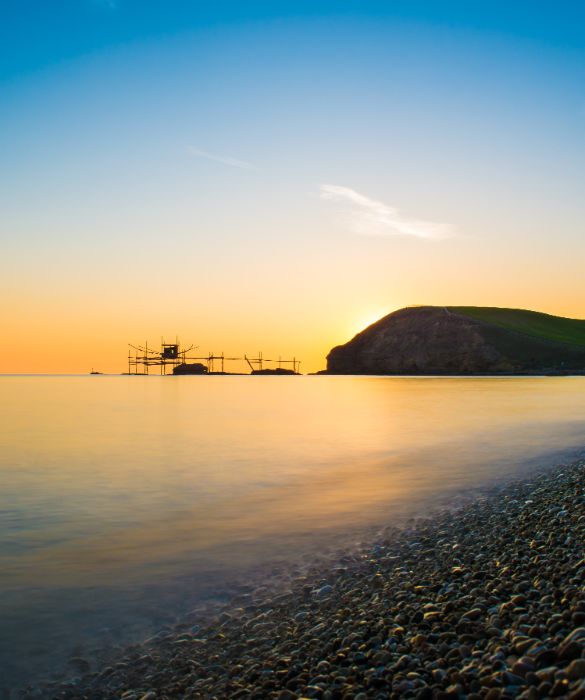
(438, 340)
(190, 368)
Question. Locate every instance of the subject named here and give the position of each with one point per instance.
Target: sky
(277, 175)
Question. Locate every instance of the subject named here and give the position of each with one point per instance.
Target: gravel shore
(484, 602)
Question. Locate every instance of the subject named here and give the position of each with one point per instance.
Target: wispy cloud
(372, 218)
(225, 160)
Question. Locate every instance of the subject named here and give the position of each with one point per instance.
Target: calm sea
(125, 501)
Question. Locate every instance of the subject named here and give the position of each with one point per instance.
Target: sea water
(127, 500)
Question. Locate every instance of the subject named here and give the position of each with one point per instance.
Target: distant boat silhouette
(94, 371)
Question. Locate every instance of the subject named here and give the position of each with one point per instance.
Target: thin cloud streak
(225, 160)
(369, 217)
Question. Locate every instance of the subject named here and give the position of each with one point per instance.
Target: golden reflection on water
(109, 480)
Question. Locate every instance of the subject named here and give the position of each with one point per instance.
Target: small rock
(576, 669)
(323, 591)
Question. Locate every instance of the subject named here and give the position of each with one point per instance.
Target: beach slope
(484, 602)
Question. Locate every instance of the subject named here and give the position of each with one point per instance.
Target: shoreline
(486, 600)
(471, 375)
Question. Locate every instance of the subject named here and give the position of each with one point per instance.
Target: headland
(464, 340)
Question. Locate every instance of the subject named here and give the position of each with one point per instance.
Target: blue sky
(37, 34)
(289, 170)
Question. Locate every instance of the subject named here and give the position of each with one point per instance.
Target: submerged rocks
(483, 603)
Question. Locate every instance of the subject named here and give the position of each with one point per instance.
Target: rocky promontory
(463, 340)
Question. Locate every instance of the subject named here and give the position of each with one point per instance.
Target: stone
(576, 669)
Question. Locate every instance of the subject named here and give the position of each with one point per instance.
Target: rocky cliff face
(434, 340)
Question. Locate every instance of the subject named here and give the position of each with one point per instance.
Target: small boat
(94, 371)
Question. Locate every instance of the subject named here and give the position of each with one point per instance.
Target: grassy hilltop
(464, 340)
(557, 329)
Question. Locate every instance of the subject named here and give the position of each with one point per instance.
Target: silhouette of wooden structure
(256, 364)
(142, 359)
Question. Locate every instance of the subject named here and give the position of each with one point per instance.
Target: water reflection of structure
(184, 361)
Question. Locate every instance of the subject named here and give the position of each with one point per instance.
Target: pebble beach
(485, 601)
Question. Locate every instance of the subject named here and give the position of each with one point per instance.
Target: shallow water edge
(476, 539)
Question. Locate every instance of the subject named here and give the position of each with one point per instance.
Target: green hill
(464, 340)
(554, 328)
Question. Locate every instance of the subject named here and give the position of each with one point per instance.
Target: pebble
(576, 669)
(323, 591)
